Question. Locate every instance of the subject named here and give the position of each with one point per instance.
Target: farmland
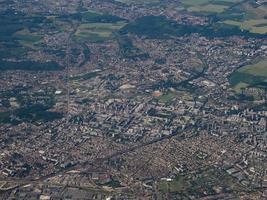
(27, 39)
(253, 25)
(208, 6)
(138, 1)
(97, 31)
(250, 75)
(243, 14)
(246, 16)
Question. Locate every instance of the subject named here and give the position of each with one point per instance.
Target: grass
(210, 8)
(166, 98)
(252, 25)
(97, 31)
(176, 185)
(250, 75)
(252, 12)
(194, 2)
(196, 184)
(138, 1)
(228, 1)
(240, 13)
(241, 85)
(27, 39)
(247, 17)
(257, 69)
(26, 35)
(206, 2)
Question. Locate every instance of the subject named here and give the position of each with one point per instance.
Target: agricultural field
(96, 27)
(245, 15)
(208, 6)
(138, 1)
(195, 2)
(209, 2)
(250, 75)
(253, 25)
(96, 32)
(27, 39)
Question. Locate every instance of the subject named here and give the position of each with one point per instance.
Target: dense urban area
(133, 99)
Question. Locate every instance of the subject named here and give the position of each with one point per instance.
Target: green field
(138, 1)
(194, 2)
(250, 75)
(27, 39)
(257, 69)
(166, 98)
(207, 180)
(253, 25)
(85, 76)
(206, 2)
(227, 1)
(210, 8)
(176, 185)
(246, 15)
(96, 32)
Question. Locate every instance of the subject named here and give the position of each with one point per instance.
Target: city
(122, 99)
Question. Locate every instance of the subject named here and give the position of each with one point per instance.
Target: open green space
(210, 8)
(227, 1)
(27, 39)
(195, 2)
(31, 114)
(166, 98)
(203, 183)
(26, 35)
(96, 32)
(161, 27)
(257, 69)
(252, 25)
(129, 50)
(138, 1)
(178, 184)
(29, 108)
(246, 15)
(85, 76)
(96, 27)
(250, 75)
(206, 2)
(19, 35)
